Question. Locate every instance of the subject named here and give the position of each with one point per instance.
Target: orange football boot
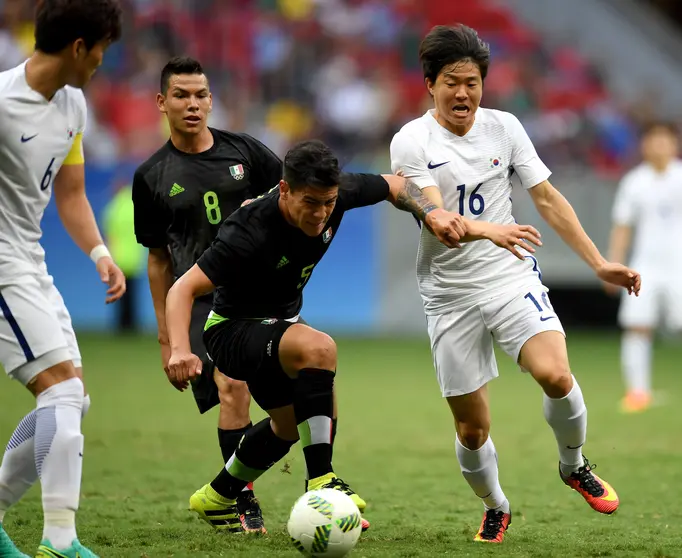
(597, 492)
(493, 527)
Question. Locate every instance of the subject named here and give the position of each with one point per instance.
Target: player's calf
(310, 357)
(59, 458)
(218, 503)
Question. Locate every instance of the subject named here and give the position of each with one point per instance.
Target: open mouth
(192, 119)
(460, 110)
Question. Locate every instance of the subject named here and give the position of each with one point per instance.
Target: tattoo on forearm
(411, 199)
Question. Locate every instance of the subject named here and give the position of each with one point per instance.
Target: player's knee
(68, 392)
(554, 376)
(319, 353)
(473, 436)
(233, 393)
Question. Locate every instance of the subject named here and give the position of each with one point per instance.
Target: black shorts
(248, 350)
(204, 388)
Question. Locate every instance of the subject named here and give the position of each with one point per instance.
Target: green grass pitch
(147, 450)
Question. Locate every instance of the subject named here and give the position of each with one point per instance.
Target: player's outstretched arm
(559, 214)
(76, 214)
(183, 366)
(446, 226)
(504, 236)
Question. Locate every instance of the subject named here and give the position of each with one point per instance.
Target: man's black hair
(446, 45)
(58, 23)
(311, 163)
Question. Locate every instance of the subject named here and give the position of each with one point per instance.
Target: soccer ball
(325, 523)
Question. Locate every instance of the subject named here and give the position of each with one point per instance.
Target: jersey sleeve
(150, 219)
(408, 156)
(360, 190)
(524, 159)
(625, 207)
(266, 167)
(76, 155)
(226, 253)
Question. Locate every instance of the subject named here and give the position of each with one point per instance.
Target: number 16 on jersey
(476, 201)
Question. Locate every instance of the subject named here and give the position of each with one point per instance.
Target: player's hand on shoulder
(183, 367)
(621, 276)
(110, 274)
(510, 237)
(448, 227)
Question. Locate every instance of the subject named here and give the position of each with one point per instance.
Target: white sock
(568, 418)
(635, 358)
(479, 468)
(59, 458)
(18, 470)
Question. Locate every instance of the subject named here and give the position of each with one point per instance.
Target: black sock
(314, 405)
(229, 440)
(259, 450)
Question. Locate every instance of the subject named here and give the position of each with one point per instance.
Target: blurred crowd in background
(345, 71)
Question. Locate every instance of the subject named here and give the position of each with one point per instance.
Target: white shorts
(659, 302)
(462, 339)
(35, 327)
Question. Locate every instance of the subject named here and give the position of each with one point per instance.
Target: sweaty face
(86, 62)
(659, 146)
(309, 208)
(186, 103)
(457, 94)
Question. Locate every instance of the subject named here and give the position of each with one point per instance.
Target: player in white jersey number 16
(463, 157)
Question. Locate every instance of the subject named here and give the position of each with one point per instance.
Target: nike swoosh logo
(544, 320)
(24, 139)
(576, 447)
(432, 166)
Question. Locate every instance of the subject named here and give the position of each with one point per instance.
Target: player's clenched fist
(511, 236)
(446, 226)
(183, 367)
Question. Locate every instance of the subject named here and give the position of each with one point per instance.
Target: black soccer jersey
(260, 263)
(181, 199)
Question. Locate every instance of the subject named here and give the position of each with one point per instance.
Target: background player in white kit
(649, 205)
(42, 116)
(463, 157)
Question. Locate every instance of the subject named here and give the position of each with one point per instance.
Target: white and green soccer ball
(325, 523)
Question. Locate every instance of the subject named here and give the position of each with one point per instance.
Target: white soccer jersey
(473, 174)
(36, 135)
(651, 203)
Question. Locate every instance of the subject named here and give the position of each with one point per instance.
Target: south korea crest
(327, 236)
(237, 172)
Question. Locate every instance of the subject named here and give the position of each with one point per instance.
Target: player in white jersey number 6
(463, 158)
(42, 117)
